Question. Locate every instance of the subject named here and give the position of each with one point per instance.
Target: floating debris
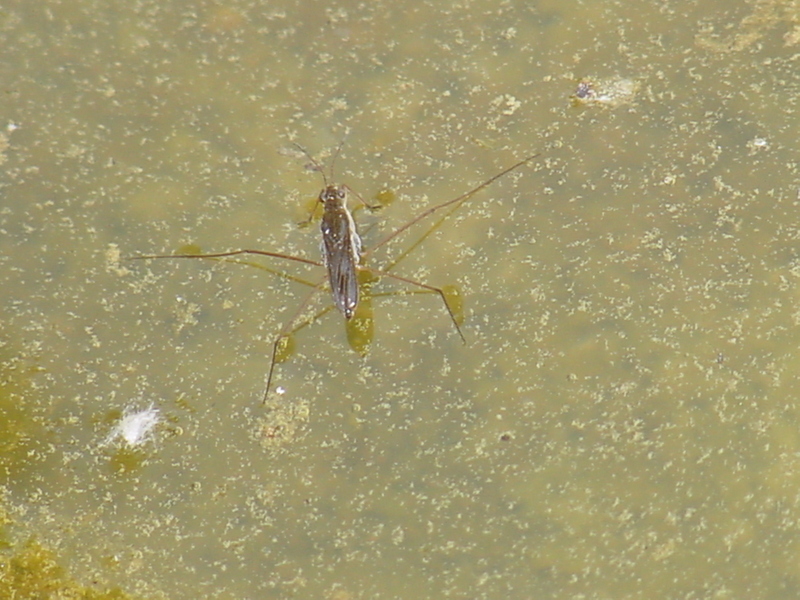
(614, 91)
(135, 427)
(758, 144)
(283, 424)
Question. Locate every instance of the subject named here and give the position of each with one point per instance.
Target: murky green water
(622, 422)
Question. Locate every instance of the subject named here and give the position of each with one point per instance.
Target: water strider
(341, 244)
(342, 252)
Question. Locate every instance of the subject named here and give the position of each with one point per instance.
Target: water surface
(622, 421)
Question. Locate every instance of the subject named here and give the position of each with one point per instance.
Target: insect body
(341, 248)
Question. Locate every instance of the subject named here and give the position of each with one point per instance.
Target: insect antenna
(336, 155)
(316, 166)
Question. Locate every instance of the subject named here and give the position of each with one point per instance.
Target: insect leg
(426, 287)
